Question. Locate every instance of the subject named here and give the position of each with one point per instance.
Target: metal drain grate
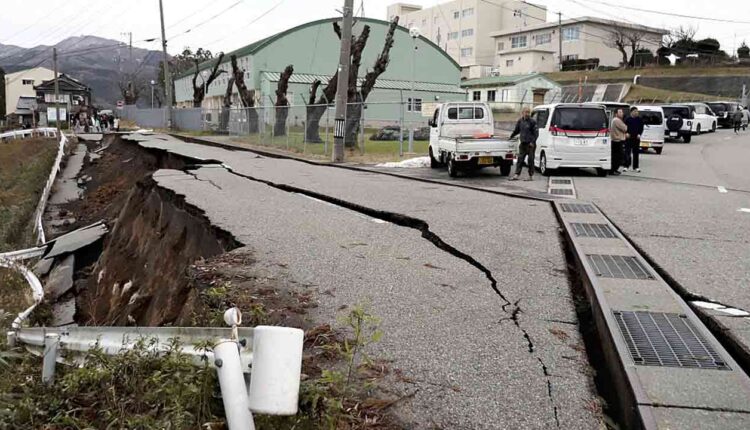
(561, 181)
(664, 339)
(601, 231)
(578, 208)
(561, 191)
(618, 266)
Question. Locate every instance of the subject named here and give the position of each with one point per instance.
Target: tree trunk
(353, 117)
(312, 127)
(246, 96)
(226, 106)
(199, 92)
(282, 103)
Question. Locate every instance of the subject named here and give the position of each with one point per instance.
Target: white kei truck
(462, 138)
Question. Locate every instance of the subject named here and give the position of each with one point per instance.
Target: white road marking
(708, 305)
(722, 189)
(746, 210)
(734, 312)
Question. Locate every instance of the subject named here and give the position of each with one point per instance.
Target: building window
(456, 14)
(571, 33)
(570, 57)
(542, 39)
(417, 107)
(467, 52)
(508, 63)
(500, 46)
(518, 42)
(467, 33)
(476, 96)
(27, 82)
(506, 94)
(453, 35)
(491, 95)
(467, 12)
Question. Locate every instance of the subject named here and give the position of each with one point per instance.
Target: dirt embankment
(140, 277)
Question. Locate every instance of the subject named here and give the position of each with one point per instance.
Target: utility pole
(559, 37)
(339, 129)
(167, 76)
(57, 91)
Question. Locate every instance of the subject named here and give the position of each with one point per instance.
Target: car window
(435, 116)
(478, 113)
(718, 107)
(583, 119)
(651, 117)
(541, 116)
(452, 113)
(683, 112)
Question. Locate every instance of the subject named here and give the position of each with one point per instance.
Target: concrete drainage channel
(668, 369)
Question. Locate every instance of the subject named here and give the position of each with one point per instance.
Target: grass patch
(641, 94)
(628, 74)
(24, 167)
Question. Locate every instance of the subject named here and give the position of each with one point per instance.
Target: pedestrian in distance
(633, 147)
(619, 137)
(737, 118)
(528, 133)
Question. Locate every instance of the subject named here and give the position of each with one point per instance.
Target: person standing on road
(619, 137)
(528, 133)
(737, 118)
(633, 147)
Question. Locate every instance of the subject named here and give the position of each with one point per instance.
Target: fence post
(51, 342)
(328, 120)
(232, 384)
(401, 126)
(363, 129)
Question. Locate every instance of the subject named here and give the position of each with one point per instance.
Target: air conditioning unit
(495, 71)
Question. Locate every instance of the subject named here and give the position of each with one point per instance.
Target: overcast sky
(224, 25)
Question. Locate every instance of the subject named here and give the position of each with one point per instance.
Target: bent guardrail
(271, 355)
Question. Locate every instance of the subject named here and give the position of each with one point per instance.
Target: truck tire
(452, 169)
(687, 137)
(505, 168)
(602, 173)
(433, 162)
(658, 150)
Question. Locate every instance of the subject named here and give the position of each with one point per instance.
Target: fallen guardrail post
(272, 356)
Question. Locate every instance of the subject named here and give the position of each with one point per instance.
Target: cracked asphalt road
(471, 366)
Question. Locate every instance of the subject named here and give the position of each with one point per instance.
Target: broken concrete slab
(60, 280)
(76, 240)
(63, 313)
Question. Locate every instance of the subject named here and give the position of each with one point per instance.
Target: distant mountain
(97, 62)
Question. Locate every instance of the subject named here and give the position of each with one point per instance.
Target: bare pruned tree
(199, 90)
(225, 106)
(282, 103)
(247, 97)
(130, 89)
(622, 38)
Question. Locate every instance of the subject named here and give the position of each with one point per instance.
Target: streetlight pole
(167, 76)
(152, 93)
(414, 33)
(205, 89)
(342, 88)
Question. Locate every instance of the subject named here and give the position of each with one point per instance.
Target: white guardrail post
(271, 355)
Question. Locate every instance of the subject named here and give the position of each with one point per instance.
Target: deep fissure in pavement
(424, 228)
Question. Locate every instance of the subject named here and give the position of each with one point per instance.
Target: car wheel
(452, 169)
(713, 127)
(602, 173)
(506, 167)
(687, 138)
(433, 162)
(698, 129)
(543, 165)
(658, 150)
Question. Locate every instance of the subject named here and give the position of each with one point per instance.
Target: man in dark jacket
(635, 130)
(527, 130)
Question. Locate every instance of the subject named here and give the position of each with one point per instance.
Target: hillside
(627, 75)
(95, 61)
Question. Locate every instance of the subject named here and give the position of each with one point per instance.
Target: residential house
(20, 85)
(462, 27)
(536, 48)
(73, 98)
(510, 93)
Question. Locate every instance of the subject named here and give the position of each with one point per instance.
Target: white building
(511, 93)
(462, 27)
(21, 84)
(536, 48)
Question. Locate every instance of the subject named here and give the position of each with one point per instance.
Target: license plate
(582, 142)
(486, 160)
(673, 134)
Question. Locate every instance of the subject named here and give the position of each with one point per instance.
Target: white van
(572, 135)
(653, 128)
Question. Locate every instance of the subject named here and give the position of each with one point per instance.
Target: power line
(677, 15)
(253, 21)
(208, 20)
(53, 11)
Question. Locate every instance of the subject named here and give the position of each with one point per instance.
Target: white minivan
(653, 128)
(572, 135)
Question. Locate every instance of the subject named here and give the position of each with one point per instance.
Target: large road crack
(513, 309)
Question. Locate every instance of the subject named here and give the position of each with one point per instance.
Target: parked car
(572, 135)
(462, 137)
(704, 119)
(724, 112)
(678, 122)
(653, 128)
